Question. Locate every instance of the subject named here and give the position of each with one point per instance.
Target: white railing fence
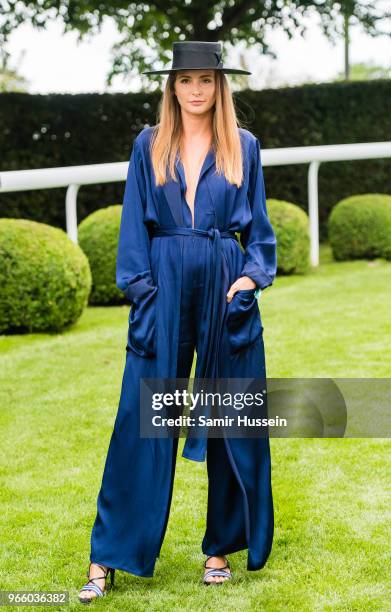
(73, 177)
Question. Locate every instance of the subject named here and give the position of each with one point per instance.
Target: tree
(353, 13)
(361, 71)
(147, 29)
(10, 79)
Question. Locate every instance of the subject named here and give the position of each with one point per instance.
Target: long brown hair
(167, 135)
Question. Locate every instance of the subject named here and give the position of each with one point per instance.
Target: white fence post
(71, 211)
(313, 211)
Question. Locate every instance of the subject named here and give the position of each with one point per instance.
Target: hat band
(194, 59)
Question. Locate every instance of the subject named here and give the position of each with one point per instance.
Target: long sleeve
(133, 268)
(258, 237)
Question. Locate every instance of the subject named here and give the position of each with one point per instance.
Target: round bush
(98, 237)
(290, 224)
(45, 278)
(360, 227)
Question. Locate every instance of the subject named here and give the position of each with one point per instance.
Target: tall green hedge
(64, 129)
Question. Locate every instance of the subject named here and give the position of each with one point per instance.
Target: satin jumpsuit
(176, 309)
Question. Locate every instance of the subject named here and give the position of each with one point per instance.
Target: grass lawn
(59, 397)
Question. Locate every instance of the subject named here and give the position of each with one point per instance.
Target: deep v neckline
(198, 181)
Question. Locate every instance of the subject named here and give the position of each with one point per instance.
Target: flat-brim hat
(197, 55)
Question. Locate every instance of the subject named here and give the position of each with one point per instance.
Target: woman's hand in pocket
(243, 283)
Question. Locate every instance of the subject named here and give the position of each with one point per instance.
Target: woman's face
(195, 90)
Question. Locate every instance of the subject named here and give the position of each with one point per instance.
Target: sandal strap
(222, 567)
(98, 578)
(93, 587)
(217, 572)
(102, 567)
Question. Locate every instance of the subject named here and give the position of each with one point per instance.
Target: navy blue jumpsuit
(176, 278)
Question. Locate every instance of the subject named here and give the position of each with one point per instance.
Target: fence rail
(74, 177)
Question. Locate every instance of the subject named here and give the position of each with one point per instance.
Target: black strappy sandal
(91, 586)
(216, 571)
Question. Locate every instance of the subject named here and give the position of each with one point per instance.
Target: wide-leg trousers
(133, 502)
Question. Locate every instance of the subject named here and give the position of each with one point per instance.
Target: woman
(194, 181)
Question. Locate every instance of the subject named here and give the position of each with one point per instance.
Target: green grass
(332, 497)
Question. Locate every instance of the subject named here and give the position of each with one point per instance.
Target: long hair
(166, 138)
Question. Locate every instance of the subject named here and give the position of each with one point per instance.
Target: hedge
(45, 278)
(41, 131)
(360, 227)
(291, 226)
(98, 237)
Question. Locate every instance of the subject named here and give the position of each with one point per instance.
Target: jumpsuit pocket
(243, 320)
(142, 325)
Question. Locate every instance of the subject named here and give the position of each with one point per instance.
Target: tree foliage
(10, 78)
(146, 30)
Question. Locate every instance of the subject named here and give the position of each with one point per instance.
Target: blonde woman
(194, 184)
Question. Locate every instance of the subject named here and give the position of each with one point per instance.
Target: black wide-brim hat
(197, 55)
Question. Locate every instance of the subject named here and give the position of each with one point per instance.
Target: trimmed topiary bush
(290, 224)
(360, 227)
(98, 237)
(45, 278)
